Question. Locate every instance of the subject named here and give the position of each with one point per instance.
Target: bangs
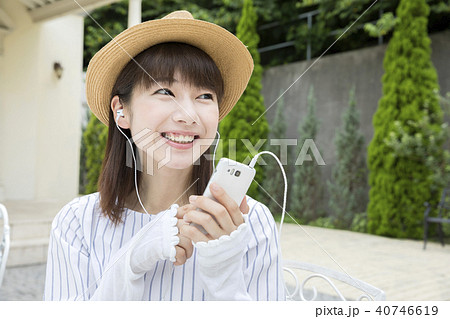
(161, 61)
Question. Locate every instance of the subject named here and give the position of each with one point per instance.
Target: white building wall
(40, 115)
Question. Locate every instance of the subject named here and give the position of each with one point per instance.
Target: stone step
(28, 252)
(30, 229)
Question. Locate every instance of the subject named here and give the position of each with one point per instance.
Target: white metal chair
(5, 242)
(344, 282)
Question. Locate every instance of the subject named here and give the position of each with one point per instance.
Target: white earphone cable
(252, 165)
(119, 114)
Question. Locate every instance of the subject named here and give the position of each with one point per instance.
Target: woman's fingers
(180, 256)
(184, 250)
(220, 213)
(186, 244)
(183, 210)
(207, 221)
(230, 205)
(244, 206)
(192, 232)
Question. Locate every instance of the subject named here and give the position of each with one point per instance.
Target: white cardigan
(90, 259)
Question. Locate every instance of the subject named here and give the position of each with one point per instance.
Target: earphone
(120, 114)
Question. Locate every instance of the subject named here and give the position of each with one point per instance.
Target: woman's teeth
(178, 138)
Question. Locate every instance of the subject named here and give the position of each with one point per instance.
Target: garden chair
(5, 242)
(344, 285)
(442, 217)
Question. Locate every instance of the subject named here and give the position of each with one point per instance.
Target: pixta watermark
(149, 142)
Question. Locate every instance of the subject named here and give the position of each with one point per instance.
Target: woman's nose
(186, 113)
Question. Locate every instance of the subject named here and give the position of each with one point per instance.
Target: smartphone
(234, 177)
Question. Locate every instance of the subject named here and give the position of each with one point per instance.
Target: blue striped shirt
(83, 241)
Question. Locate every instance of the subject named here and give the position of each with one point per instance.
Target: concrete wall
(332, 77)
(40, 115)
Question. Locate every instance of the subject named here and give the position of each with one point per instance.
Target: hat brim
(231, 56)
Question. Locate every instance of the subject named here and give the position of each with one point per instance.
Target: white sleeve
(219, 263)
(224, 268)
(68, 271)
(263, 261)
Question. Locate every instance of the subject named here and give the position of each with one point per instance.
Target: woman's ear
(122, 121)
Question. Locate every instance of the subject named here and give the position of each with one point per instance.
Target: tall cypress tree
(237, 124)
(348, 188)
(274, 182)
(307, 188)
(400, 185)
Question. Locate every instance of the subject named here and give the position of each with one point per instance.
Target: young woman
(165, 84)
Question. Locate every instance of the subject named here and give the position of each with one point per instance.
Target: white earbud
(119, 114)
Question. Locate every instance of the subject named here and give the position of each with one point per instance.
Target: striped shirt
(83, 241)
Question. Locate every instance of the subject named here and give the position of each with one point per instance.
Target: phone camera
(237, 173)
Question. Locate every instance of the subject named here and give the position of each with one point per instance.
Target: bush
(359, 223)
(325, 222)
(94, 139)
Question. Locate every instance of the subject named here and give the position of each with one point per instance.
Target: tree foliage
(273, 183)
(307, 188)
(348, 188)
(400, 185)
(94, 139)
(237, 125)
(425, 146)
(106, 22)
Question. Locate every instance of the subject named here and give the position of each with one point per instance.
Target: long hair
(116, 180)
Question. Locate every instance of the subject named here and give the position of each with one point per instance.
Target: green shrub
(359, 223)
(94, 138)
(325, 222)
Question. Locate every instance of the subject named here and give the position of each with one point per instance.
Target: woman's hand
(226, 212)
(184, 248)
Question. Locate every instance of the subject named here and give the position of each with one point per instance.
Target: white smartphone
(234, 177)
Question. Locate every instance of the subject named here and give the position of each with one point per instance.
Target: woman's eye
(207, 95)
(164, 91)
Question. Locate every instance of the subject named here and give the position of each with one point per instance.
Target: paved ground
(23, 283)
(399, 267)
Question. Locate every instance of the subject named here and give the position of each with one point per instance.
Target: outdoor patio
(399, 267)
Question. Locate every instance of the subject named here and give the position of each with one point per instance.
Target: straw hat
(229, 54)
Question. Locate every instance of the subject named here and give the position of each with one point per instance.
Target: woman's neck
(162, 189)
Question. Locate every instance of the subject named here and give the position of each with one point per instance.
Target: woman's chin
(175, 162)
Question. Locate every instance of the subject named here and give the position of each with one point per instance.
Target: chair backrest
(444, 204)
(5, 242)
(354, 286)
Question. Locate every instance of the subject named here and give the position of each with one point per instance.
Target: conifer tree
(400, 185)
(274, 182)
(348, 188)
(94, 138)
(307, 190)
(237, 124)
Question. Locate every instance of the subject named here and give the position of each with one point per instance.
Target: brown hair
(116, 180)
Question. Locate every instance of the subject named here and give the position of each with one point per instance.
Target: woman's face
(177, 108)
